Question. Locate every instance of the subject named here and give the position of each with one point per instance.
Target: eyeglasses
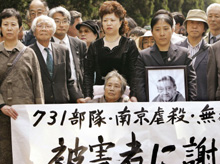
(64, 22)
(46, 26)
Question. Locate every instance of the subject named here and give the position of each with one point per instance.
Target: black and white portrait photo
(166, 84)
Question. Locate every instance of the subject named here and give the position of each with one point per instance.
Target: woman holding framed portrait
(163, 54)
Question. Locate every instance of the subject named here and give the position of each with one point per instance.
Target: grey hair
(61, 10)
(115, 73)
(44, 18)
(211, 6)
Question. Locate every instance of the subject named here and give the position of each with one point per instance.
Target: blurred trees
(140, 10)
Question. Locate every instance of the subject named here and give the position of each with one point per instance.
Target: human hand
(126, 99)
(9, 111)
(133, 99)
(83, 100)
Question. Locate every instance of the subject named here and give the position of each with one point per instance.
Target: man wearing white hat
(196, 27)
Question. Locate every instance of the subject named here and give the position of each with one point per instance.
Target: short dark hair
(74, 14)
(178, 17)
(131, 23)
(206, 27)
(11, 12)
(138, 31)
(162, 15)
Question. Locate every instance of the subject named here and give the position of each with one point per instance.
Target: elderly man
(77, 48)
(54, 63)
(36, 8)
(196, 27)
(167, 90)
(213, 14)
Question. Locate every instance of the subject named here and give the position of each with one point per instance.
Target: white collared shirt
(211, 39)
(43, 51)
(67, 43)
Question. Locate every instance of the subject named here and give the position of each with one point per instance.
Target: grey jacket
(200, 67)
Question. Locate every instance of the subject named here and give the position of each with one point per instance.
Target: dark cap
(92, 25)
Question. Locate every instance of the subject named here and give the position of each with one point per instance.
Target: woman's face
(10, 28)
(147, 42)
(87, 35)
(111, 24)
(113, 90)
(162, 33)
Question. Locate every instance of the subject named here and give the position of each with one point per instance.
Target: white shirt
(67, 43)
(177, 38)
(211, 39)
(43, 51)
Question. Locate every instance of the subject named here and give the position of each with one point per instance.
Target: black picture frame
(154, 74)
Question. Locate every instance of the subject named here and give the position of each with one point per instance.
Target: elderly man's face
(214, 19)
(44, 30)
(166, 90)
(113, 89)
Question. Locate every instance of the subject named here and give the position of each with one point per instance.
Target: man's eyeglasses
(64, 22)
(46, 26)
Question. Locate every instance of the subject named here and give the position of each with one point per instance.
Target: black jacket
(101, 60)
(151, 57)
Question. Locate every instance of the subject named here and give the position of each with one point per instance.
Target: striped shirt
(193, 50)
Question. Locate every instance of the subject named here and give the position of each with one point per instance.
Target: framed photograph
(166, 83)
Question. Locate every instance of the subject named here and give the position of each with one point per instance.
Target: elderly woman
(114, 88)
(88, 31)
(20, 78)
(113, 52)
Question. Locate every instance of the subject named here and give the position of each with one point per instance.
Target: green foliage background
(140, 10)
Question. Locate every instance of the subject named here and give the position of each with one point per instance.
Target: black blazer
(78, 49)
(58, 88)
(200, 67)
(100, 60)
(151, 57)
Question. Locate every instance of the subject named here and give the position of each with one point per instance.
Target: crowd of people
(61, 58)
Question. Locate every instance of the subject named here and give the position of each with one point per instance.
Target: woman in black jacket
(163, 53)
(113, 52)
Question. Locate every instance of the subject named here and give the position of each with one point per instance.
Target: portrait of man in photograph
(167, 90)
